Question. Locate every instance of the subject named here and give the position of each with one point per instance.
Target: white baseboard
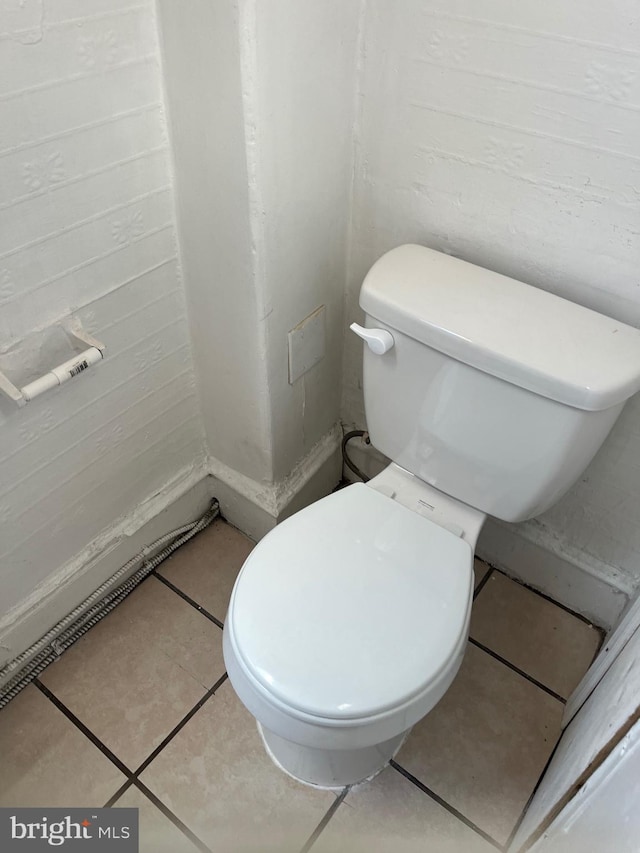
(255, 508)
(314, 476)
(241, 501)
(182, 500)
(252, 507)
(530, 554)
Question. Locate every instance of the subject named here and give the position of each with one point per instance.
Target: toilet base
(329, 768)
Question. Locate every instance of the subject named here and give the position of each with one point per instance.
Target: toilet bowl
(347, 624)
(348, 621)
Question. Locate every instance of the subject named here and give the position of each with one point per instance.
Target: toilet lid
(352, 606)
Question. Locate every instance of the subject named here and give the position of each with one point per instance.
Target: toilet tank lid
(519, 333)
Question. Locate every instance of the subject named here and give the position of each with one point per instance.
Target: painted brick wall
(87, 225)
(509, 134)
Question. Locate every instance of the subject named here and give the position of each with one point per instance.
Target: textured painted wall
(300, 72)
(87, 225)
(261, 98)
(202, 71)
(508, 134)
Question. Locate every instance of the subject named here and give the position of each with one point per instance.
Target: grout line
(445, 804)
(171, 816)
(519, 671)
(333, 808)
(179, 726)
(71, 449)
(528, 83)
(114, 389)
(88, 220)
(85, 731)
(79, 128)
(52, 187)
(188, 599)
(14, 94)
(233, 527)
(522, 129)
(121, 790)
(132, 776)
(88, 263)
(552, 601)
(482, 583)
(470, 20)
(50, 518)
(60, 483)
(518, 823)
(596, 652)
(63, 23)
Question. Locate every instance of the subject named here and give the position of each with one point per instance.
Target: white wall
(261, 98)
(507, 134)
(300, 85)
(202, 75)
(597, 731)
(87, 225)
(604, 813)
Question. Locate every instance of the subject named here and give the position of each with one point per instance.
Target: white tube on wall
(62, 373)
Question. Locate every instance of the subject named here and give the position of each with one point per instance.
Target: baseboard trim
(183, 500)
(256, 508)
(253, 507)
(532, 555)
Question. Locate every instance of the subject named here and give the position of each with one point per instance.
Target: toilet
(349, 621)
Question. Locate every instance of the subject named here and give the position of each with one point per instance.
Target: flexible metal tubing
(51, 645)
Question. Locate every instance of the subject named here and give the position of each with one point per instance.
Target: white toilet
(348, 621)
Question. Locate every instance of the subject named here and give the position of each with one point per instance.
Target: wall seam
(248, 46)
(355, 159)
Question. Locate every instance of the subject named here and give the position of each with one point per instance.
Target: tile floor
(139, 713)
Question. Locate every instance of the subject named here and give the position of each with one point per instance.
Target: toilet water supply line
(345, 458)
(30, 663)
(95, 607)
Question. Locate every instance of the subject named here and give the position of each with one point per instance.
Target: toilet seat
(351, 608)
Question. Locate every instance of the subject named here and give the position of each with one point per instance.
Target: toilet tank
(495, 392)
